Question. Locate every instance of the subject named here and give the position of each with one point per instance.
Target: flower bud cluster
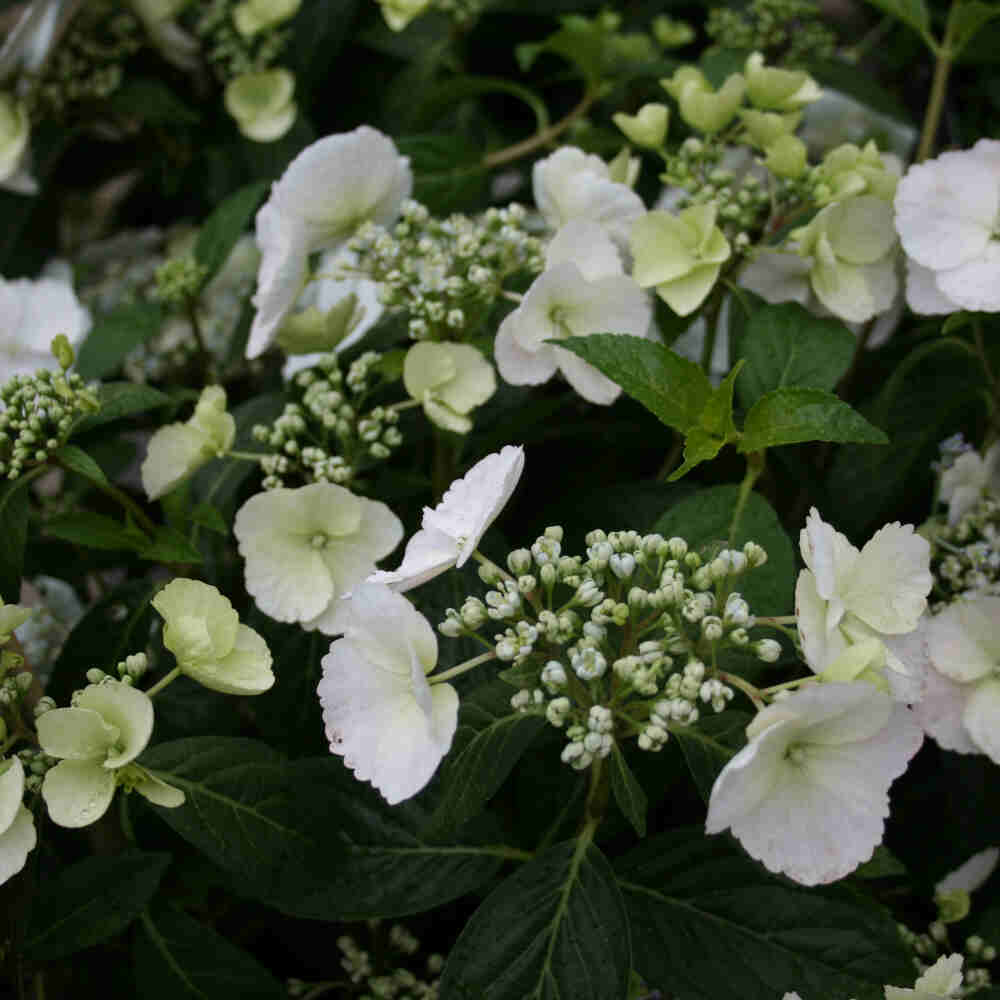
(230, 52)
(928, 947)
(622, 642)
(965, 556)
(328, 436)
(793, 27)
(447, 274)
(39, 412)
(36, 763)
(178, 279)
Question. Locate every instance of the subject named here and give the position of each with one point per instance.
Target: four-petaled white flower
(32, 314)
(583, 290)
(947, 213)
(969, 477)
(451, 531)
(326, 192)
(571, 184)
(382, 716)
(846, 596)
(941, 981)
(307, 547)
(17, 826)
(107, 727)
(449, 380)
(808, 795)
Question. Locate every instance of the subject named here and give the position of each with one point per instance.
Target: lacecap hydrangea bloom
(307, 547)
(324, 195)
(98, 738)
(177, 451)
(946, 216)
(391, 726)
(203, 631)
(451, 531)
(583, 290)
(808, 795)
(17, 826)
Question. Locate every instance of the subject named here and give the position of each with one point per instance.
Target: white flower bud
(739, 637)
(623, 566)
(95, 676)
(473, 613)
(767, 650)
(589, 664)
(711, 628)
(554, 531)
(548, 575)
(588, 594)
(737, 610)
(554, 675)
(519, 561)
(556, 711)
(520, 701)
(756, 556)
(450, 627)
(677, 547)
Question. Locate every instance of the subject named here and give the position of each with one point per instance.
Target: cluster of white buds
(965, 556)
(622, 642)
(928, 947)
(14, 687)
(132, 668)
(446, 274)
(328, 436)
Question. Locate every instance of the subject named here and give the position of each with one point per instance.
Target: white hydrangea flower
(571, 184)
(307, 547)
(450, 381)
(326, 192)
(969, 477)
(391, 727)
(108, 726)
(941, 981)
(808, 795)
(17, 826)
(178, 450)
(32, 314)
(262, 103)
(946, 217)
(583, 290)
(846, 596)
(451, 531)
(962, 690)
(203, 631)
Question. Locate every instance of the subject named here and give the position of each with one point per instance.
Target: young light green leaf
(68, 915)
(114, 335)
(717, 416)
(489, 741)
(791, 416)
(221, 230)
(627, 791)
(691, 898)
(555, 929)
(785, 345)
(77, 460)
(177, 958)
(699, 446)
(672, 388)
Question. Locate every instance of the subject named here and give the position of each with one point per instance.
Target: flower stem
(778, 620)
(753, 693)
(462, 667)
(166, 679)
(939, 84)
(786, 685)
(246, 456)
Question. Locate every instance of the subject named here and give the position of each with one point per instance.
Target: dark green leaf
(170, 546)
(151, 100)
(708, 744)
(320, 29)
(672, 388)
(95, 531)
(221, 230)
(122, 399)
(911, 12)
(77, 460)
(448, 170)
(967, 19)
(555, 929)
(178, 958)
(14, 506)
(584, 42)
(785, 345)
(883, 864)
(692, 899)
(91, 901)
(115, 335)
(627, 791)
(791, 416)
(717, 416)
(208, 517)
(706, 519)
(699, 446)
(488, 743)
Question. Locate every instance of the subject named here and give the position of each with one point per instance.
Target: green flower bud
(786, 157)
(648, 128)
(62, 351)
(953, 906)
(399, 13)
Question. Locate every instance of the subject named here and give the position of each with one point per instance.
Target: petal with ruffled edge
(820, 645)
(975, 285)
(963, 640)
(16, 842)
(428, 553)
(78, 792)
(981, 717)
(923, 293)
(11, 790)
(245, 670)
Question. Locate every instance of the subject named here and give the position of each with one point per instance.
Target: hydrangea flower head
(305, 548)
(808, 795)
(391, 727)
(204, 633)
(451, 531)
(17, 827)
(107, 727)
(946, 215)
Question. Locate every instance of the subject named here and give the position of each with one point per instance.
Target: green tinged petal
(77, 734)
(78, 792)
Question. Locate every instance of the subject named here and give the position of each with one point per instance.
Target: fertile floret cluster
(446, 274)
(328, 435)
(928, 947)
(965, 556)
(623, 642)
(792, 28)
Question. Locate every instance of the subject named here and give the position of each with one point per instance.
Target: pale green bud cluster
(792, 27)
(965, 556)
(178, 280)
(38, 415)
(671, 33)
(243, 36)
(928, 947)
(329, 435)
(36, 764)
(447, 274)
(620, 643)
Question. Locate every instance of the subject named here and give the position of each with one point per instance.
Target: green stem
(711, 328)
(166, 679)
(753, 693)
(671, 460)
(755, 466)
(462, 668)
(777, 620)
(246, 456)
(787, 684)
(597, 799)
(483, 561)
(406, 404)
(939, 85)
(124, 500)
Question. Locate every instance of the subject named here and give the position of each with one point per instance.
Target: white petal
(75, 734)
(982, 717)
(11, 791)
(972, 874)
(15, 844)
(923, 293)
(963, 640)
(593, 385)
(78, 792)
(943, 978)
(518, 365)
(940, 709)
(889, 582)
(777, 277)
(428, 553)
(174, 452)
(975, 285)
(585, 244)
(827, 553)
(820, 645)
(125, 707)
